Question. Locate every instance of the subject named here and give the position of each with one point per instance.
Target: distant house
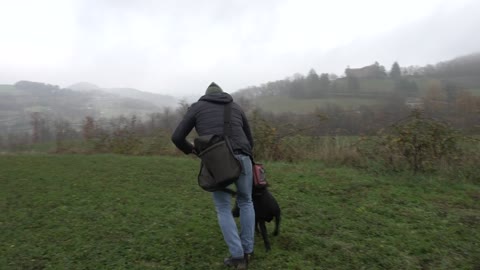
(368, 72)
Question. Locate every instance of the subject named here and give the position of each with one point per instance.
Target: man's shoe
(248, 257)
(238, 263)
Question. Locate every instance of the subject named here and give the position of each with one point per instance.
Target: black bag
(219, 167)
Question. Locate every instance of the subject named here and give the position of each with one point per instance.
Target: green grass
(119, 212)
(376, 85)
(6, 88)
(10, 90)
(475, 92)
(367, 86)
(281, 104)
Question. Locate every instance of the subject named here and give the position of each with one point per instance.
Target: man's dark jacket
(206, 115)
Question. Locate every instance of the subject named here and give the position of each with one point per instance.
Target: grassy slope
(280, 104)
(475, 91)
(6, 88)
(117, 212)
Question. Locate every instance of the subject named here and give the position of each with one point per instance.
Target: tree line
(458, 108)
(461, 72)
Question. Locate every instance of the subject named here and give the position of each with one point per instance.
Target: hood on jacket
(213, 88)
(215, 94)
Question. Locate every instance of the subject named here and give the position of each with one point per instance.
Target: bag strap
(227, 125)
(227, 131)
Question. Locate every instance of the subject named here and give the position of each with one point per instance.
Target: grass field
(6, 88)
(475, 92)
(376, 85)
(119, 212)
(10, 90)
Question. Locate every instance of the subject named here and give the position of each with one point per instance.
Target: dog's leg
(277, 225)
(236, 210)
(263, 230)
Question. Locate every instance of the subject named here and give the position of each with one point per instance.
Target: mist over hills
(154, 98)
(84, 87)
(19, 101)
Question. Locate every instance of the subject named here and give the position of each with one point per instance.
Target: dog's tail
(277, 224)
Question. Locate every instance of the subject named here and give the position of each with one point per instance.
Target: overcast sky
(178, 47)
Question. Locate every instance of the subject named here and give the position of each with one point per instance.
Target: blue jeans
(238, 245)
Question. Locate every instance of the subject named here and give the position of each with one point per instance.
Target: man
(206, 115)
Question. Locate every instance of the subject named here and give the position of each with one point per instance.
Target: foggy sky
(179, 47)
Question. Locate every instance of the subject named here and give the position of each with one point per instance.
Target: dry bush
(418, 144)
(160, 144)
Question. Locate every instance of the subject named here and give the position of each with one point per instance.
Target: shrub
(416, 143)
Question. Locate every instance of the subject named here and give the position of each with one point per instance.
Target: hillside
(365, 86)
(156, 99)
(18, 101)
(282, 104)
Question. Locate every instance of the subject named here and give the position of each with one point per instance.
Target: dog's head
(258, 191)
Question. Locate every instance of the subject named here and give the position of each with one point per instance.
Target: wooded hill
(365, 86)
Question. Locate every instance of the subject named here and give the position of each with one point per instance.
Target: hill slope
(156, 99)
(305, 93)
(18, 101)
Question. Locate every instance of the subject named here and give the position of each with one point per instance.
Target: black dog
(266, 208)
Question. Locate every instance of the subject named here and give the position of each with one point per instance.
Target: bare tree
(88, 128)
(168, 119)
(183, 106)
(63, 132)
(40, 127)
